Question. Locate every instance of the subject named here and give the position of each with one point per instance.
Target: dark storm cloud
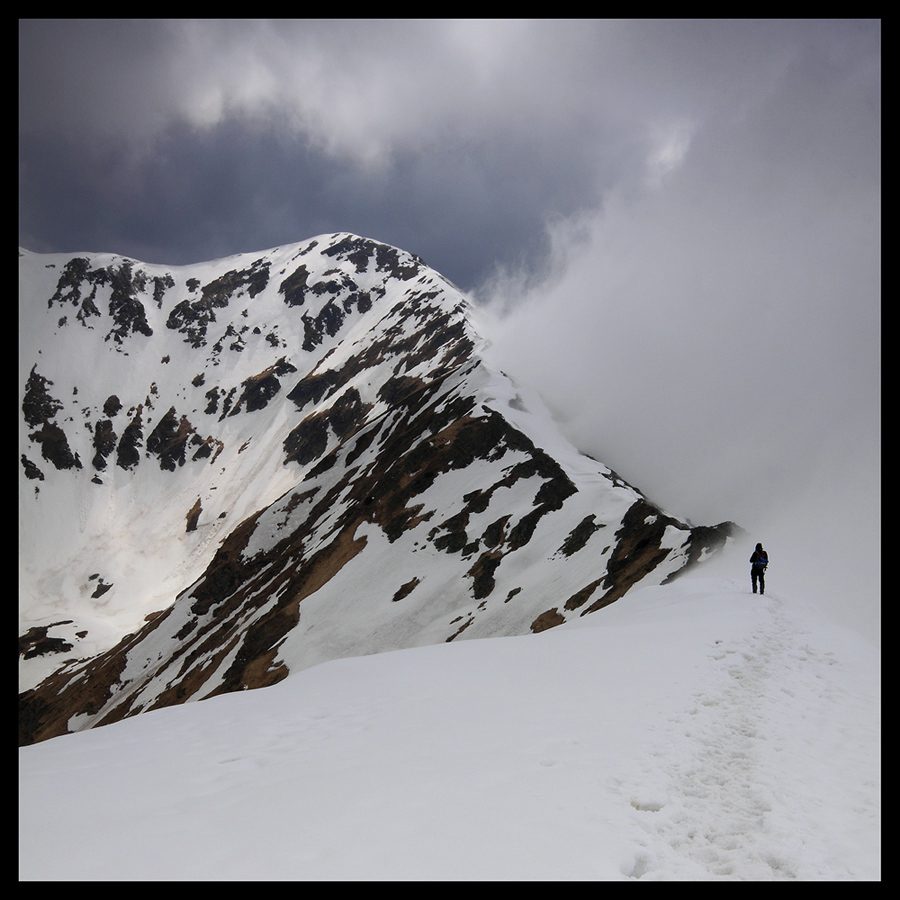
(210, 193)
(675, 225)
(458, 140)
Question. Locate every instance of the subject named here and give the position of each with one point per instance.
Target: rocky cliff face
(238, 469)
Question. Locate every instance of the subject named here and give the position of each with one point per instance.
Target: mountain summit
(242, 468)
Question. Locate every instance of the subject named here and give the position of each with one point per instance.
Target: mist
(712, 333)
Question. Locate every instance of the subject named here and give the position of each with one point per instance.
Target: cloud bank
(714, 334)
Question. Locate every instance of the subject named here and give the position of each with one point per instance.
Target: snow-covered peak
(238, 469)
(148, 389)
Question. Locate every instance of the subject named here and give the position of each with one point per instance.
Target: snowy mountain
(691, 732)
(239, 469)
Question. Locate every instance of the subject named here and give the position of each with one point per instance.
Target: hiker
(758, 562)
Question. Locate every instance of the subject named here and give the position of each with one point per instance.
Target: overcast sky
(672, 228)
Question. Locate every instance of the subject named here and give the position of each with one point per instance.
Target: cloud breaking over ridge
(671, 228)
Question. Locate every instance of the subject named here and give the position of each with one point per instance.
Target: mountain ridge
(381, 487)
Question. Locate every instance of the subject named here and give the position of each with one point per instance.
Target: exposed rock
(347, 414)
(261, 388)
(104, 442)
(55, 446)
(191, 318)
(126, 310)
(101, 589)
(169, 438)
(406, 589)
(549, 619)
(160, 285)
(637, 552)
(69, 285)
(125, 306)
(294, 286)
(193, 516)
(112, 406)
(38, 406)
(128, 453)
(580, 535)
(35, 641)
(32, 472)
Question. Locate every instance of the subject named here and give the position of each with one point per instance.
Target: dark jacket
(760, 558)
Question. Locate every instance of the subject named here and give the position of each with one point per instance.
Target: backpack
(762, 560)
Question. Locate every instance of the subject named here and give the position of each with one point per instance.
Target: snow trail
(729, 805)
(695, 732)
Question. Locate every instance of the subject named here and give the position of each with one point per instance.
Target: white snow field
(688, 732)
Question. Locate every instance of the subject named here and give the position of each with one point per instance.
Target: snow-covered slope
(241, 469)
(155, 413)
(693, 732)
